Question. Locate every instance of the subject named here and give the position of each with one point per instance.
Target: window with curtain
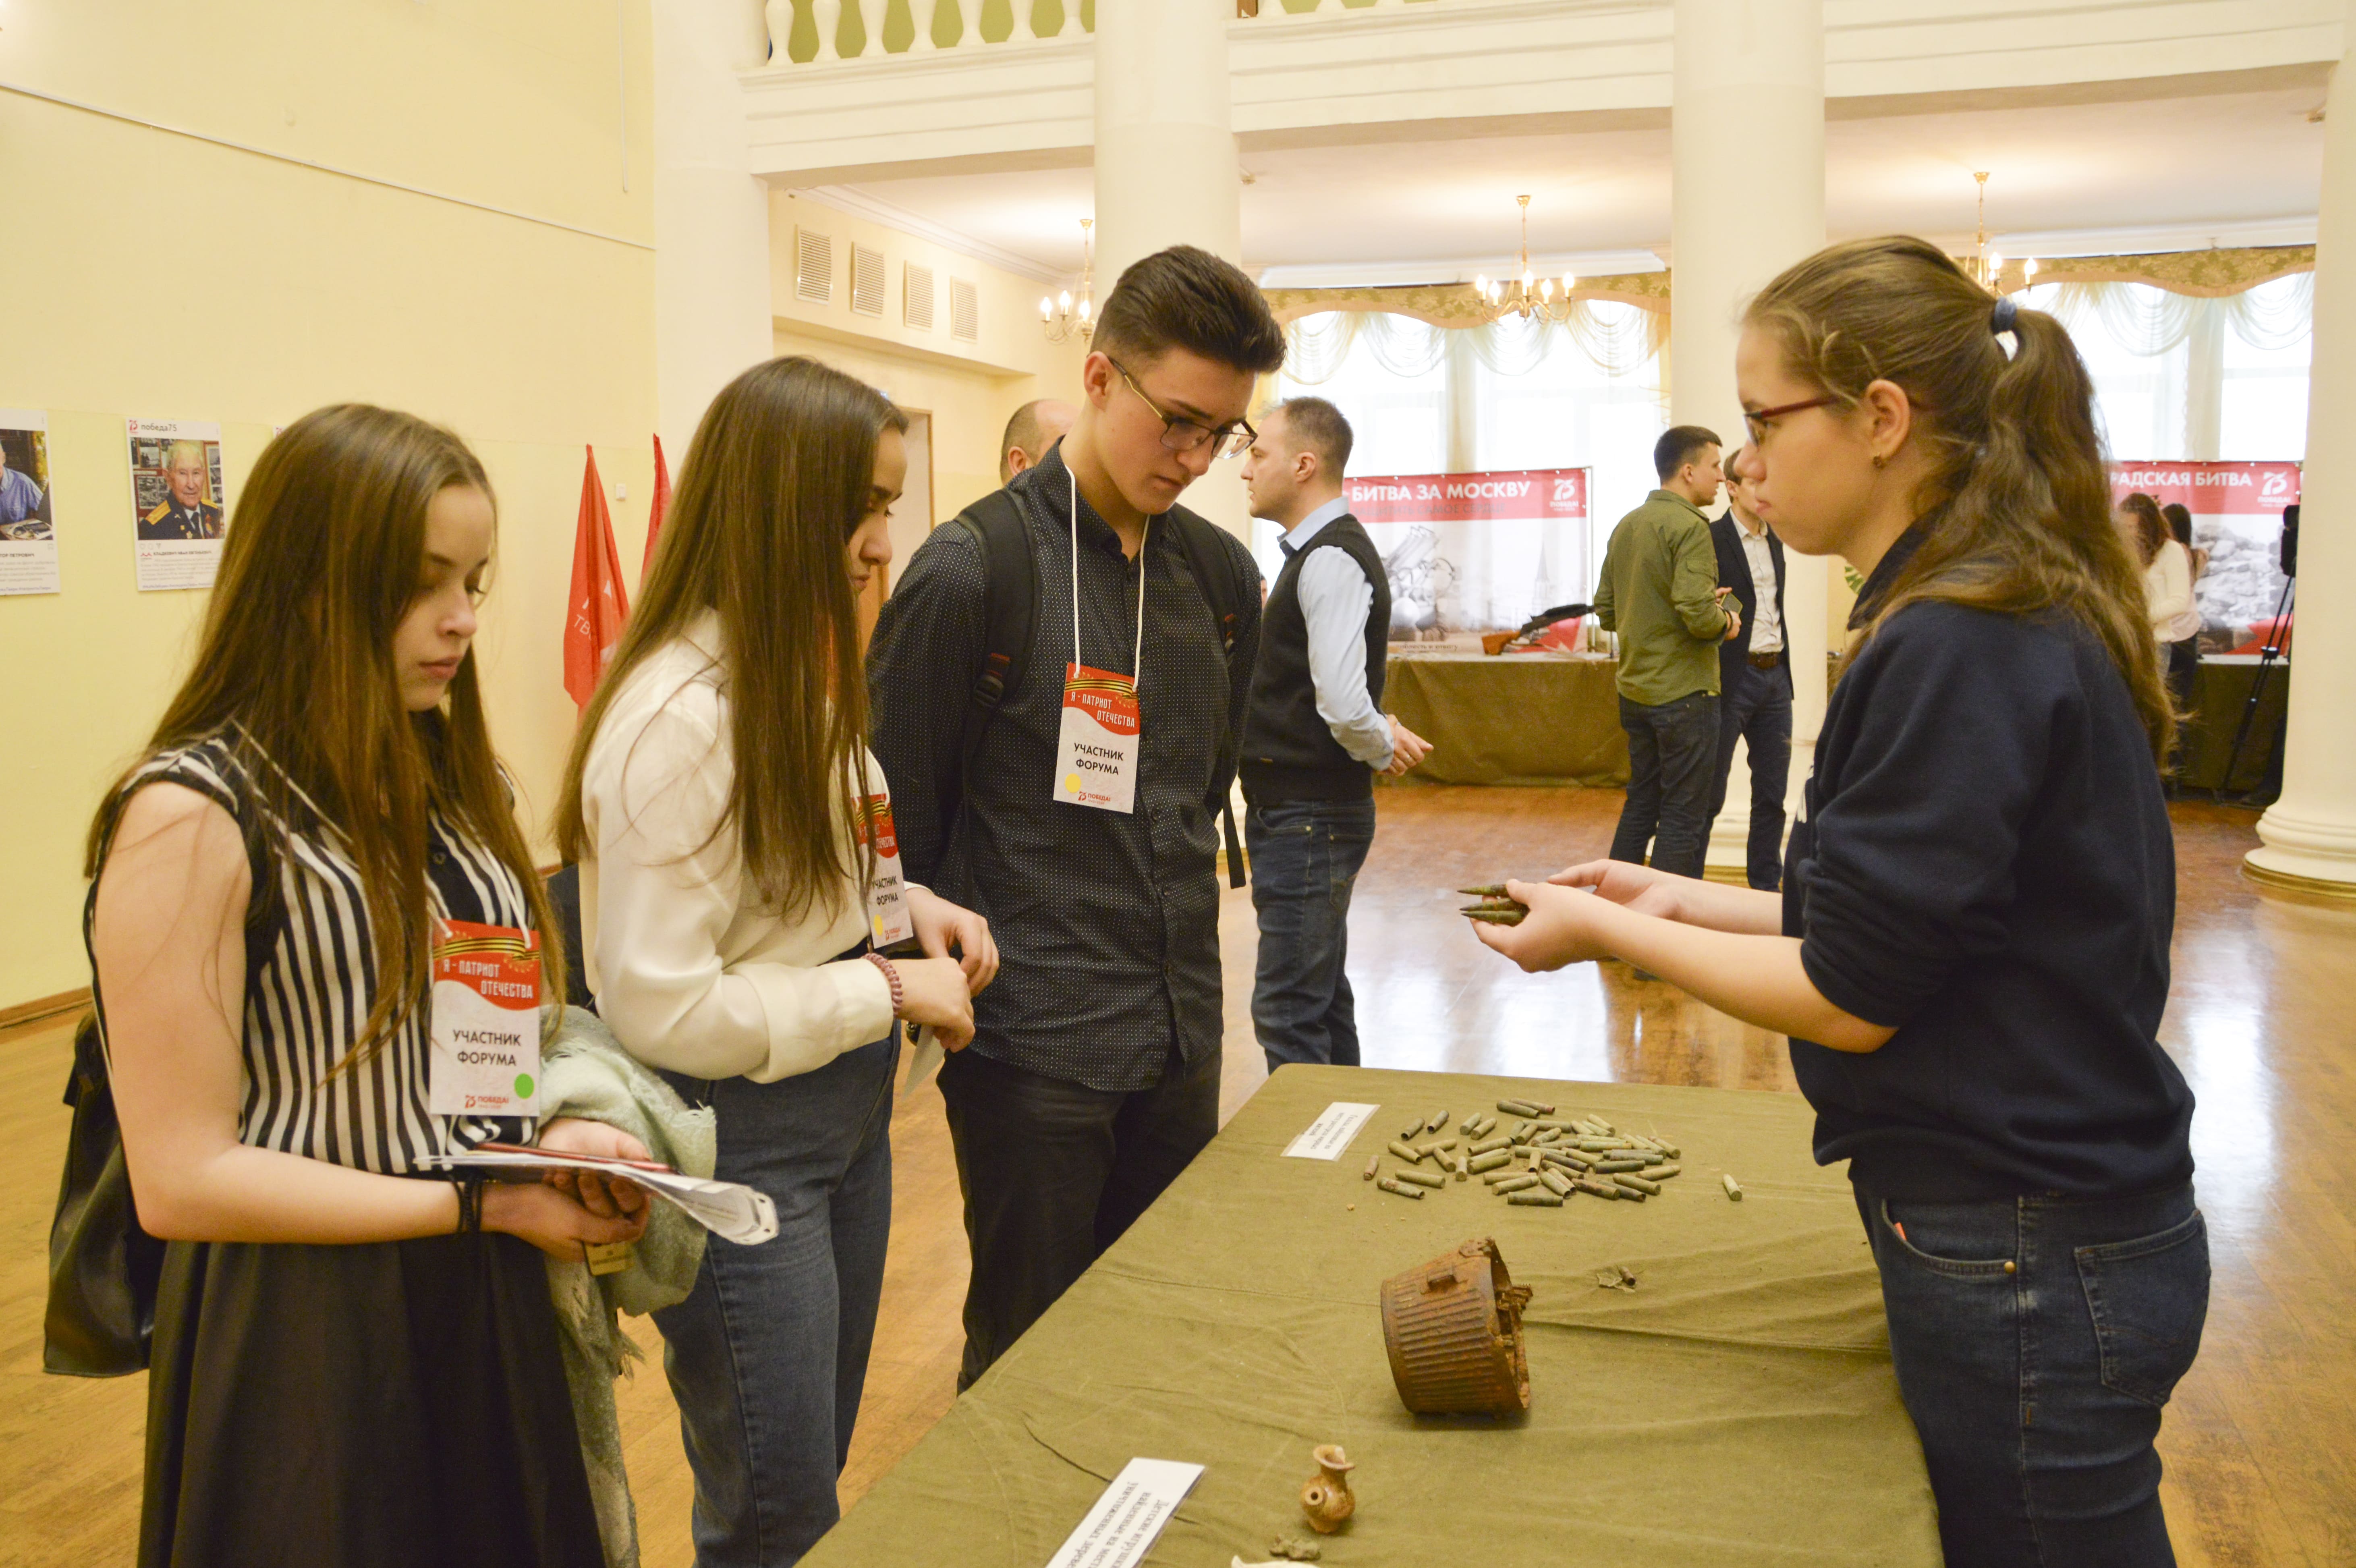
(1584, 394)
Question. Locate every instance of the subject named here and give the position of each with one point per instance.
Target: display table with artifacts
(1698, 1374)
(1537, 716)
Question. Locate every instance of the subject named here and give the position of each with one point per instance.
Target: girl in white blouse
(738, 871)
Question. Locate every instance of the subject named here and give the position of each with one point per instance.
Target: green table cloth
(1737, 1408)
(1515, 718)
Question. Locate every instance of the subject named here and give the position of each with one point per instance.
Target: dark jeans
(1757, 709)
(768, 1356)
(1053, 1172)
(1305, 856)
(2035, 1341)
(1670, 748)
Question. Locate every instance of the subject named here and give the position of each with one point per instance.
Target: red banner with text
(1477, 552)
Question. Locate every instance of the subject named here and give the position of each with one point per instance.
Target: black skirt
(389, 1405)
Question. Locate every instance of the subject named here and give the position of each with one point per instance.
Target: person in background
(2180, 523)
(1314, 736)
(1754, 679)
(731, 831)
(1094, 1075)
(1970, 953)
(2184, 650)
(1659, 591)
(1036, 425)
(2167, 593)
(186, 510)
(356, 1361)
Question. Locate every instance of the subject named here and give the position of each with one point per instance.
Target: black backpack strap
(1010, 611)
(1221, 579)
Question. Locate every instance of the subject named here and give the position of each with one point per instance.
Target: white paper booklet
(1121, 1528)
(733, 1212)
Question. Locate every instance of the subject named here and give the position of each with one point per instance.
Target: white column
(712, 218)
(1165, 162)
(1747, 152)
(2310, 834)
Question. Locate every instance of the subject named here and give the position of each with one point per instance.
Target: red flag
(660, 505)
(597, 607)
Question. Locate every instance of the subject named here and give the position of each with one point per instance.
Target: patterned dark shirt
(1107, 924)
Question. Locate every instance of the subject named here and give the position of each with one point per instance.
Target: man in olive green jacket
(1659, 591)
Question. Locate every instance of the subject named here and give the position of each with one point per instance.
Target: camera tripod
(2277, 643)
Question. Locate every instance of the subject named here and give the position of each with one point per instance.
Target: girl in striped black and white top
(350, 1366)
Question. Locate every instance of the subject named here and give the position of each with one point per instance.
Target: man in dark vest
(1314, 735)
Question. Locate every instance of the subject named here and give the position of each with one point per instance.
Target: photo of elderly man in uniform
(186, 510)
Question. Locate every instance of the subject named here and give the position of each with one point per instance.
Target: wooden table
(1736, 1410)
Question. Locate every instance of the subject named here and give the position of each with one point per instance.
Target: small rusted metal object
(1326, 1497)
(1638, 1184)
(1599, 1188)
(1483, 1145)
(1486, 890)
(1407, 1152)
(1489, 1162)
(1608, 1167)
(1533, 1198)
(1556, 1183)
(1421, 1178)
(1515, 1108)
(1733, 1188)
(1413, 1129)
(1661, 1172)
(1489, 916)
(1452, 1328)
(1373, 1163)
(1392, 1185)
(1435, 1121)
(1515, 1184)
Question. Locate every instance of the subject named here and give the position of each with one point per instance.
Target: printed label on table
(1096, 748)
(888, 917)
(1327, 1137)
(1121, 1528)
(485, 1034)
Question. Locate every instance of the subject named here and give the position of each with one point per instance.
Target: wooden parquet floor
(2260, 1441)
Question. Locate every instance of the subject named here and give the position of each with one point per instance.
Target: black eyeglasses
(1178, 434)
(1755, 422)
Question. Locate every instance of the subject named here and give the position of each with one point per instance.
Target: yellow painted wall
(169, 278)
(971, 389)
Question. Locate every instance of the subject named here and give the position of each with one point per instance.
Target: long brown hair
(294, 672)
(774, 485)
(2151, 528)
(2017, 507)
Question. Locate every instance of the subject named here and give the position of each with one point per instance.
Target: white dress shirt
(690, 971)
(1334, 599)
(2167, 593)
(1766, 625)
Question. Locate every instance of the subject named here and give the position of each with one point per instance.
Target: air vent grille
(917, 297)
(965, 311)
(813, 266)
(866, 280)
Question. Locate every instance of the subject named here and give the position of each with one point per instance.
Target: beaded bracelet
(891, 978)
(468, 1186)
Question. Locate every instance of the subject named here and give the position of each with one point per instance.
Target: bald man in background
(1036, 425)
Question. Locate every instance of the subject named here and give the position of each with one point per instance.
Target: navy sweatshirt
(1986, 865)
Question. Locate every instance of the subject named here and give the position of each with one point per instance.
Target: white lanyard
(1137, 655)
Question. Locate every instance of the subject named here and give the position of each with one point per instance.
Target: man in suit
(184, 514)
(1314, 735)
(1754, 701)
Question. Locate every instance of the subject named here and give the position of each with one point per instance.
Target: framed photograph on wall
(28, 530)
(178, 503)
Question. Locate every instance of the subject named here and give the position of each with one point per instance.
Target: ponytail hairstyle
(2016, 508)
(774, 485)
(294, 674)
(2151, 528)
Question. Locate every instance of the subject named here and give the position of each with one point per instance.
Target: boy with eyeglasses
(1057, 682)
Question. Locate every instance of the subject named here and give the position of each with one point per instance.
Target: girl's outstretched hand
(1563, 926)
(1638, 887)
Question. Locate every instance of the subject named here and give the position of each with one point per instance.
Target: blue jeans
(2036, 1341)
(768, 1354)
(1756, 706)
(1670, 747)
(1305, 856)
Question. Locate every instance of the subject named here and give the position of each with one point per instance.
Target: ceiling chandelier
(1986, 268)
(1063, 316)
(1528, 294)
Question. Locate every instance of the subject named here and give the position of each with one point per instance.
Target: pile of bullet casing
(1496, 907)
(1538, 1162)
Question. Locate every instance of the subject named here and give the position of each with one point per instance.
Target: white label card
(485, 1030)
(889, 920)
(1095, 747)
(1325, 1138)
(1121, 1528)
